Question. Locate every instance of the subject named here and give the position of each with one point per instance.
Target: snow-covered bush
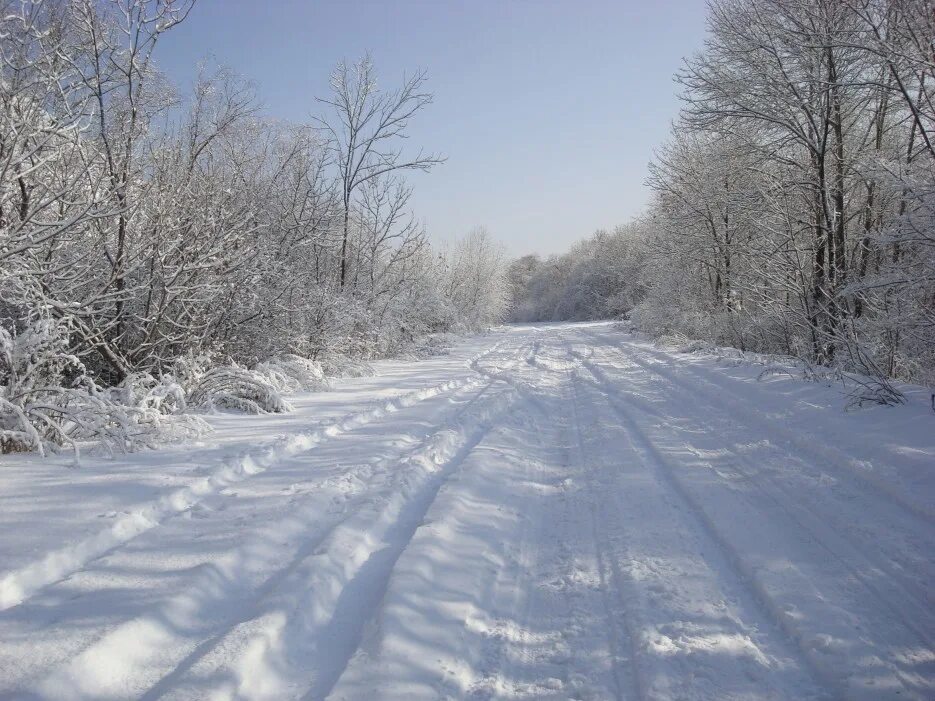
(142, 390)
(293, 373)
(48, 400)
(431, 345)
(343, 366)
(161, 406)
(237, 388)
(33, 365)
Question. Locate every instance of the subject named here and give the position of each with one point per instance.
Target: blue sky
(548, 112)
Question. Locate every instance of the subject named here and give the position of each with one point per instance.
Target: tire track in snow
(839, 462)
(734, 571)
(301, 643)
(498, 672)
(577, 680)
(140, 657)
(355, 525)
(503, 609)
(796, 516)
(819, 530)
(131, 654)
(456, 610)
(847, 550)
(485, 662)
(627, 684)
(19, 585)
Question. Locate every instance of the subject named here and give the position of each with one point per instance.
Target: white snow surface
(559, 511)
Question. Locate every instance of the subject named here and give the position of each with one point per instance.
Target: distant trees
(600, 277)
(476, 280)
(794, 205)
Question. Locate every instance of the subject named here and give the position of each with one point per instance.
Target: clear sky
(547, 111)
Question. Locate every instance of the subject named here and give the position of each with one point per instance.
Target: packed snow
(556, 511)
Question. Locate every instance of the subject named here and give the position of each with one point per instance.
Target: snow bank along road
(547, 512)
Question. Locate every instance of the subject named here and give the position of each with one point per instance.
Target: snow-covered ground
(547, 512)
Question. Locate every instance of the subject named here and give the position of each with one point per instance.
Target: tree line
(793, 205)
(144, 230)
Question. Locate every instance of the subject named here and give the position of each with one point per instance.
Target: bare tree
(365, 130)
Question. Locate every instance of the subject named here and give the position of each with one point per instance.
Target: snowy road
(548, 512)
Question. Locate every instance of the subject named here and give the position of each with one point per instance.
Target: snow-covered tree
(156, 244)
(792, 206)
